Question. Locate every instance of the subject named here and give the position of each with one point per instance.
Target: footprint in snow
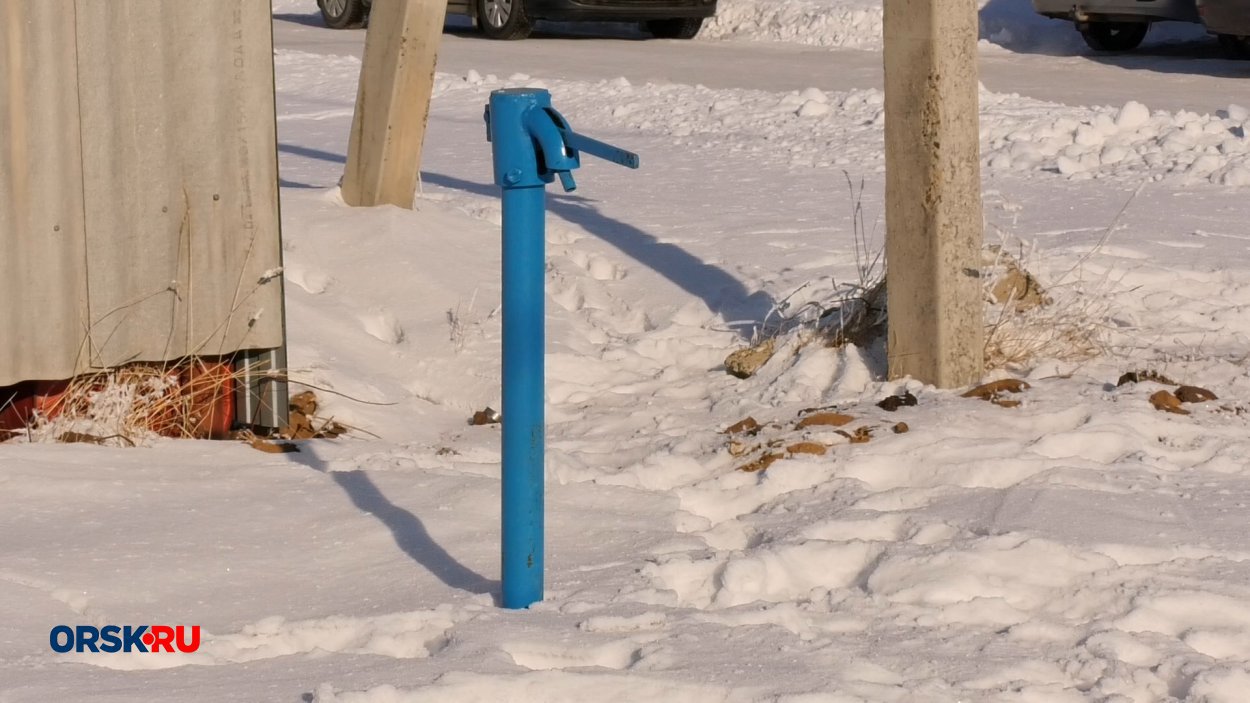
(314, 281)
(598, 267)
(545, 656)
(383, 326)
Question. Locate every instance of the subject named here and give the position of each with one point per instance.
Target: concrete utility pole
(933, 192)
(393, 102)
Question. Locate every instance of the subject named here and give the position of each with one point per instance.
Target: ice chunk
(814, 94)
(1113, 155)
(1132, 115)
(813, 108)
(1236, 176)
(1069, 166)
(1087, 135)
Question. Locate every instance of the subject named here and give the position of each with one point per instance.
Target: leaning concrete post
(933, 192)
(393, 102)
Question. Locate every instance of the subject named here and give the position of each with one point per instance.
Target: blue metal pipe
(524, 273)
(532, 145)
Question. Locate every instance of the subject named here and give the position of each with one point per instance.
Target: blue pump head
(532, 143)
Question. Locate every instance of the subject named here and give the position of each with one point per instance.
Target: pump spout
(603, 150)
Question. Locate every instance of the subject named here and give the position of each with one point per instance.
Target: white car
(513, 19)
(1116, 25)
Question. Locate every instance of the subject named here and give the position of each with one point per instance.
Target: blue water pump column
(532, 144)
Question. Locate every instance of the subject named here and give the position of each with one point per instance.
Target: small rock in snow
(745, 362)
(1164, 400)
(1194, 394)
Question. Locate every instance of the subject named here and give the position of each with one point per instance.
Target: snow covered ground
(1080, 547)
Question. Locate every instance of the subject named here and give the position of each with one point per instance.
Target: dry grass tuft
(1070, 326)
(854, 311)
(1029, 317)
(1063, 322)
(136, 403)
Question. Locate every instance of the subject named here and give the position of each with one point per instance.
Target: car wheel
(504, 19)
(1114, 36)
(1235, 46)
(343, 14)
(677, 28)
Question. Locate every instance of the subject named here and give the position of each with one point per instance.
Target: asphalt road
(1173, 77)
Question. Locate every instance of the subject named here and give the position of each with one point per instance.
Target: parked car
(1116, 25)
(514, 19)
(1229, 21)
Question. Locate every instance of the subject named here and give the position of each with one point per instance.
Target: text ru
(130, 638)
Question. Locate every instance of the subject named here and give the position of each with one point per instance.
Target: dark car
(514, 19)
(1230, 21)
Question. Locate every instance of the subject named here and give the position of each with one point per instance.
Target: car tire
(676, 28)
(504, 19)
(343, 14)
(1235, 46)
(1114, 36)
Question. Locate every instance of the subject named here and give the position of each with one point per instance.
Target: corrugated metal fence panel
(180, 178)
(43, 276)
(143, 230)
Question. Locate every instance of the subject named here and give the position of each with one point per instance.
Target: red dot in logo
(148, 638)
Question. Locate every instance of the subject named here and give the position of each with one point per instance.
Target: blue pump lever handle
(594, 147)
(546, 127)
